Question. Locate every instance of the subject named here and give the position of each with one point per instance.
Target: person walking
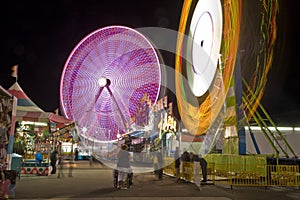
(123, 167)
(158, 164)
(177, 163)
(76, 154)
(185, 158)
(53, 160)
(71, 165)
(60, 166)
(195, 159)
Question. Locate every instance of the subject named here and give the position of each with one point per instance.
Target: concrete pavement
(96, 182)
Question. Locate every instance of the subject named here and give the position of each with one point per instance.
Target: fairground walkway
(96, 182)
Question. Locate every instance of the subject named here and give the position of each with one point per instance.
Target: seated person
(39, 157)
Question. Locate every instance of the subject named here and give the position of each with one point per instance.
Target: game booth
(34, 133)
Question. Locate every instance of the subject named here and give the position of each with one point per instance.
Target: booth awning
(60, 121)
(27, 110)
(32, 116)
(24, 103)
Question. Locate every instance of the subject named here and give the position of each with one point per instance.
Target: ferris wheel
(105, 78)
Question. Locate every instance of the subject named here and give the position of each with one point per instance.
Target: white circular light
(102, 82)
(206, 31)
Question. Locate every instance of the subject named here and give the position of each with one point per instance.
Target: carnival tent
(27, 110)
(34, 137)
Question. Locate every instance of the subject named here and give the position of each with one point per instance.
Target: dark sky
(40, 35)
(281, 97)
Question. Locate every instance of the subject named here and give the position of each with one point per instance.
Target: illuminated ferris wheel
(105, 78)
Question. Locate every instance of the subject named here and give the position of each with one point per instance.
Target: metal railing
(239, 175)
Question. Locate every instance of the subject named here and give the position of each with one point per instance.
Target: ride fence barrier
(187, 170)
(283, 175)
(169, 166)
(240, 174)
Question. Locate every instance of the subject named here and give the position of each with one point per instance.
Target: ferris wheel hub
(103, 82)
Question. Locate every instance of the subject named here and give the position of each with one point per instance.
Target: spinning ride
(205, 85)
(104, 80)
(199, 85)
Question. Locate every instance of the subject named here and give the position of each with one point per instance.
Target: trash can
(16, 163)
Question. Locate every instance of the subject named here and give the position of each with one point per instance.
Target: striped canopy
(27, 110)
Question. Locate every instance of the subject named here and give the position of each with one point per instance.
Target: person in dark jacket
(53, 160)
(76, 154)
(177, 163)
(203, 165)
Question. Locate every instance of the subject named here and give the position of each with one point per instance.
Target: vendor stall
(66, 139)
(34, 132)
(31, 132)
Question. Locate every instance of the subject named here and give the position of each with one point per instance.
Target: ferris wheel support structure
(104, 83)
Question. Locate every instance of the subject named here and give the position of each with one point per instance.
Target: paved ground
(96, 183)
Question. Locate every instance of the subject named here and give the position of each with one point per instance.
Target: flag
(56, 111)
(14, 71)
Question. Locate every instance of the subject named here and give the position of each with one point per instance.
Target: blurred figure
(71, 166)
(53, 160)
(195, 159)
(123, 166)
(203, 165)
(177, 163)
(185, 157)
(76, 154)
(60, 166)
(158, 164)
(192, 156)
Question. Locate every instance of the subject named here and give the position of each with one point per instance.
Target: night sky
(40, 35)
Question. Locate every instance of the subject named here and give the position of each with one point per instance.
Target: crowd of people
(57, 164)
(189, 157)
(123, 168)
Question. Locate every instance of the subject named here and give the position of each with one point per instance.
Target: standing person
(177, 163)
(60, 166)
(195, 158)
(123, 166)
(71, 165)
(158, 164)
(76, 154)
(185, 158)
(203, 165)
(53, 160)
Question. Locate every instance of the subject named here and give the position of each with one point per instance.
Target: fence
(247, 174)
